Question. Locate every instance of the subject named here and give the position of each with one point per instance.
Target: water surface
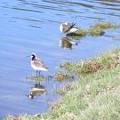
(28, 26)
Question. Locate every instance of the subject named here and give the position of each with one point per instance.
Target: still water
(28, 26)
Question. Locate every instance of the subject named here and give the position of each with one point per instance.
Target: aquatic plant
(105, 25)
(79, 32)
(36, 78)
(95, 30)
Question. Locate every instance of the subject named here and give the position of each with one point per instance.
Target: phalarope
(37, 64)
(68, 27)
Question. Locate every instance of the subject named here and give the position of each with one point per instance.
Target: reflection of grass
(36, 78)
(93, 97)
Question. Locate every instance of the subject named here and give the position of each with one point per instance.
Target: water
(28, 26)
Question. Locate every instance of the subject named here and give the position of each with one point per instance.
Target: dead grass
(95, 30)
(108, 61)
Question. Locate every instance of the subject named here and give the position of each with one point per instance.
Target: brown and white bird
(68, 27)
(37, 64)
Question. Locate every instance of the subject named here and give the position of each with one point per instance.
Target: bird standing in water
(37, 64)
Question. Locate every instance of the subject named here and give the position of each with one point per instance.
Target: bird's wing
(39, 63)
(68, 26)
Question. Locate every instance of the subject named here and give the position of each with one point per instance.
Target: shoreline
(94, 95)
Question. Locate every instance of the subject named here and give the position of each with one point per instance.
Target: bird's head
(31, 96)
(63, 27)
(33, 56)
(66, 26)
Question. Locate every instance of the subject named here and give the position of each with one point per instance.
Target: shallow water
(28, 26)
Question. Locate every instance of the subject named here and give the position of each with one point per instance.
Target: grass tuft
(109, 61)
(79, 32)
(95, 30)
(36, 78)
(105, 25)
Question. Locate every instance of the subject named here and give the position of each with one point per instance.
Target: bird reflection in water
(67, 42)
(37, 90)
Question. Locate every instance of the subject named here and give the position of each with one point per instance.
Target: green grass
(83, 68)
(95, 30)
(98, 29)
(94, 96)
(79, 32)
(36, 78)
(105, 25)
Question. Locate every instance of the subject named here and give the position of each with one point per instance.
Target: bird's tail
(45, 69)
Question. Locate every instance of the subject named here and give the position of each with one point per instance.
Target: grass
(79, 32)
(98, 29)
(105, 25)
(82, 68)
(36, 78)
(95, 30)
(62, 75)
(94, 96)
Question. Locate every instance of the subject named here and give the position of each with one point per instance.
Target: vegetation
(105, 25)
(95, 30)
(98, 29)
(107, 61)
(62, 75)
(36, 78)
(95, 95)
(79, 32)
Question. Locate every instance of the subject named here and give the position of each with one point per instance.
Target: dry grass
(95, 30)
(109, 61)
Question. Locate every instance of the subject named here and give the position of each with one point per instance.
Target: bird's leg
(39, 83)
(50, 77)
(39, 73)
(36, 73)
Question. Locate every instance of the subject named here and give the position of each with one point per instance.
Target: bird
(67, 27)
(37, 64)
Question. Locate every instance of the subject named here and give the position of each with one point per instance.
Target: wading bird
(37, 64)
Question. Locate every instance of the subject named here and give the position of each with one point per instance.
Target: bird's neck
(33, 58)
